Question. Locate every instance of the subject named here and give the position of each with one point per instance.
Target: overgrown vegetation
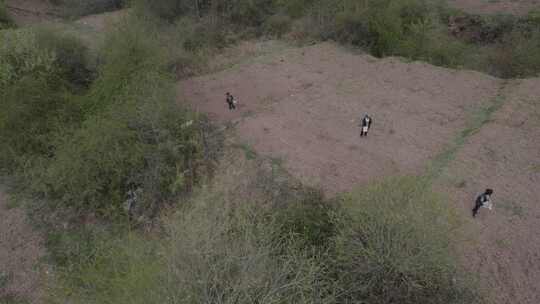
(254, 236)
(505, 46)
(77, 8)
(5, 19)
(86, 143)
(111, 143)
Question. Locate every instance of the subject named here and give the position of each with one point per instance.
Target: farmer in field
(366, 125)
(231, 101)
(483, 200)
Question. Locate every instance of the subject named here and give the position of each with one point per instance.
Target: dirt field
(517, 7)
(20, 250)
(301, 106)
(505, 156)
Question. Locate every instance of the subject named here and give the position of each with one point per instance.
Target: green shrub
(98, 267)
(277, 25)
(394, 246)
(134, 136)
(309, 219)
(5, 19)
(77, 8)
(36, 96)
(225, 245)
(517, 55)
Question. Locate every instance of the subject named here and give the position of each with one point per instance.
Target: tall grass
(5, 19)
(252, 236)
(394, 246)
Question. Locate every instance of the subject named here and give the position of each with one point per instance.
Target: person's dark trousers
(476, 208)
(231, 106)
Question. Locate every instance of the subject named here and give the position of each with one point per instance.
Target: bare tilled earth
(304, 105)
(505, 156)
(517, 7)
(20, 249)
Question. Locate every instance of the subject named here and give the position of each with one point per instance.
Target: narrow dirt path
(21, 247)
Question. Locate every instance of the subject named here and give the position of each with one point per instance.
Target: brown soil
(20, 249)
(517, 7)
(28, 12)
(505, 156)
(302, 106)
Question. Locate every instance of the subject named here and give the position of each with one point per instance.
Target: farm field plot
(303, 106)
(505, 155)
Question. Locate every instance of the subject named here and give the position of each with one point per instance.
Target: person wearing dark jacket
(483, 200)
(230, 101)
(366, 125)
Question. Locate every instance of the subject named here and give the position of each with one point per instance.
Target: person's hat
(489, 191)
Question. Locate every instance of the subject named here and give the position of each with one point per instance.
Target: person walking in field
(366, 125)
(231, 101)
(483, 200)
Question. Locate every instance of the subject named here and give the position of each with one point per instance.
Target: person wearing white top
(483, 200)
(366, 125)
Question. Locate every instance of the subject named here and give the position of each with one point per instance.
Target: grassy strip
(477, 120)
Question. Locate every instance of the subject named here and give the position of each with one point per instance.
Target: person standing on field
(230, 101)
(483, 200)
(366, 125)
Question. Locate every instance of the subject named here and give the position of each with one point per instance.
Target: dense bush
(517, 55)
(77, 8)
(5, 20)
(134, 136)
(86, 143)
(393, 246)
(36, 93)
(232, 243)
(252, 237)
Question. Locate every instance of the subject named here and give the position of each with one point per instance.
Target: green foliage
(517, 55)
(217, 248)
(277, 25)
(99, 267)
(309, 219)
(20, 55)
(36, 98)
(393, 246)
(77, 8)
(5, 19)
(134, 136)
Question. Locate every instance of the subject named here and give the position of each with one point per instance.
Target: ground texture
(517, 7)
(302, 106)
(20, 250)
(504, 155)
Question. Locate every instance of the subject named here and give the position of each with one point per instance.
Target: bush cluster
(77, 8)
(251, 237)
(414, 29)
(5, 19)
(85, 139)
